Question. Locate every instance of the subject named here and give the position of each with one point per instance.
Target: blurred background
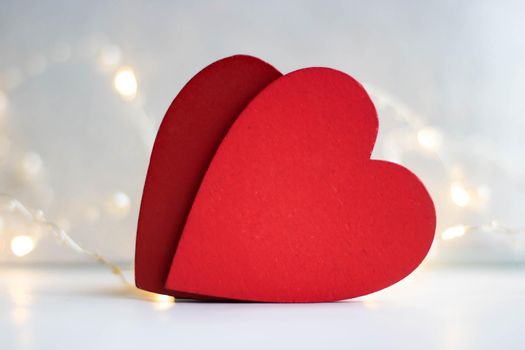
(84, 86)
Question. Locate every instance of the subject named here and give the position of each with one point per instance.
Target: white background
(458, 65)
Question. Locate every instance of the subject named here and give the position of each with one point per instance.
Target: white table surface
(86, 308)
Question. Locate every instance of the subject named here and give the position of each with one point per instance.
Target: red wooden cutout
(191, 131)
(291, 208)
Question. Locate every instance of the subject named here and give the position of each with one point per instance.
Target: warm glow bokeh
(125, 82)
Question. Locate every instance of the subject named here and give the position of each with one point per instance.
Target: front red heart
(292, 208)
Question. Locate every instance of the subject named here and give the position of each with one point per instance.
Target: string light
(31, 164)
(453, 232)
(461, 230)
(119, 204)
(64, 224)
(37, 218)
(429, 138)
(22, 245)
(161, 298)
(163, 302)
(460, 196)
(125, 83)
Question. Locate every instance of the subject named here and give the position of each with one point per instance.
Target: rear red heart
(292, 209)
(191, 131)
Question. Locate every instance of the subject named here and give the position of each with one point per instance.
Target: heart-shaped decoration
(189, 135)
(286, 205)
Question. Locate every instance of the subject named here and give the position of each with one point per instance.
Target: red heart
(189, 135)
(292, 209)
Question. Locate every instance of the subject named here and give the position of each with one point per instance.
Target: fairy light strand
(461, 230)
(162, 302)
(37, 217)
(430, 139)
(126, 85)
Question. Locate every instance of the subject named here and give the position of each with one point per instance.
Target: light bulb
(460, 196)
(125, 83)
(119, 204)
(22, 245)
(454, 232)
(163, 302)
(429, 138)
